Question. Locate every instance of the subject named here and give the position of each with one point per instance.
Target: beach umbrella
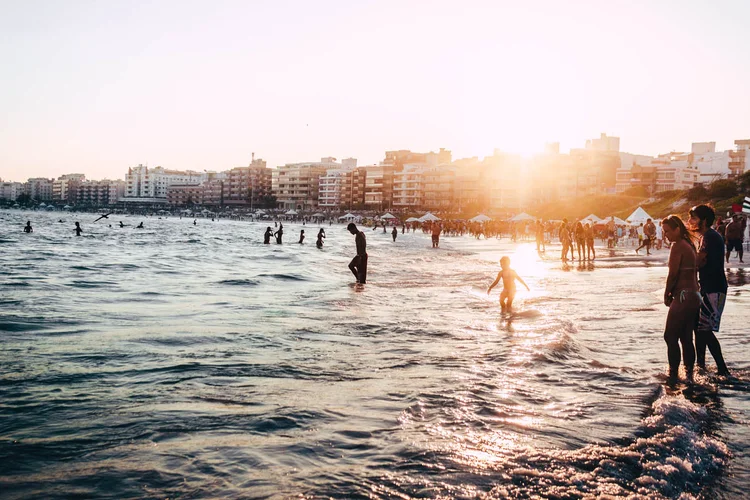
(348, 216)
(318, 215)
(42, 204)
(639, 215)
(388, 216)
(428, 217)
(291, 212)
(66, 207)
(413, 219)
(522, 217)
(480, 218)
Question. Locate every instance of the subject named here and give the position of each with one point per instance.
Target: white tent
(67, 207)
(413, 219)
(639, 216)
(618, 221)
(290, 212)
(591, 218)
(522, 217)
(318, 215)
(348, 216)
(480, 218)
(428, 217)
(388, 216)
(42, 204)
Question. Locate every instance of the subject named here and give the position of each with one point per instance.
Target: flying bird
(105, 216)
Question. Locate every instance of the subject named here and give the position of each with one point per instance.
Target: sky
(95, 87)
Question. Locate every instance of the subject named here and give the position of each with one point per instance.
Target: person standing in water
(735, 233)
(321, 235)
(588, 233)
(713, 285)
(509, 277)
(358, 265)
(301, 236)
(279, 234)
(78, 229)
(394, 233)
(682, 297)
(267, 236)
(28, 228)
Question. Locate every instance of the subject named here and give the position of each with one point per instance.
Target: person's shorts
(734, 245)
(711, 309)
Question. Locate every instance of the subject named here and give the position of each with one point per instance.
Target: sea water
(194, 361)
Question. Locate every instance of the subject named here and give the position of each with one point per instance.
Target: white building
(296, 185)
(330, 184)
(712, 165)
(39, 188)
(11, 190)
(408, 186)
(151, 184)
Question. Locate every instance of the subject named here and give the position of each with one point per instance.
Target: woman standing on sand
(682, 296)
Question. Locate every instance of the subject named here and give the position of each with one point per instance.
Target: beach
(193, 361)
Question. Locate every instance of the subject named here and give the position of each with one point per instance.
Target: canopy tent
(260, 211)
(639, 216)
(480, 218)
(413, 219)
(591, 218)
(522, 217)
(348, 216)
(388, 216)
(67, 207)
(42, 204)
(428, 217)
(618, 221)
(290, 212)
(318, 215)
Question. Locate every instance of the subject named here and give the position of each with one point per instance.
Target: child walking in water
(509, 277)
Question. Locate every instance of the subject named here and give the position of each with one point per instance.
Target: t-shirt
(711, 276)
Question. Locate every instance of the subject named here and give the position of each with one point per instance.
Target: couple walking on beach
(694, 304)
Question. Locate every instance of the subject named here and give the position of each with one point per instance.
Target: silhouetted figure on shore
(78, 229)
(321, 236)
(358, 265)
(301, 236)
(267, 236)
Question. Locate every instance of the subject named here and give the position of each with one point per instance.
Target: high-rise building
(296, 185)
(100, 193)
(11, 190)
(39, 188)
(65, 187)
(249, 185)
(151, 184)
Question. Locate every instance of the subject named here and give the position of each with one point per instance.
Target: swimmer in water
(195, 222)
(267, 236)
(509, 277)
(321, 235)
(121, 224)
(301, 236)
(78, 229)
(28, 228)
(139, 226)
(279, 234)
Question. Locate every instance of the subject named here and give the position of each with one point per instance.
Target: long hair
(675, 222)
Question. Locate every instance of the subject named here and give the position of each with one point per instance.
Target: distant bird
(105, 216)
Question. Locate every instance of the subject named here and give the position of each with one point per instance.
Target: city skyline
(99, 88)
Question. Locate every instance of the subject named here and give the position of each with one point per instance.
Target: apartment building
(39, 188)
(11, 190)
(64, 188)
(146, 184)
(297, 185)
(99, 193)
(248, 185)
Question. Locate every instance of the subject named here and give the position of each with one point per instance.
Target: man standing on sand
(713, 285)
(436, 234)
(358, 265)
(649, 233)
(735, 232)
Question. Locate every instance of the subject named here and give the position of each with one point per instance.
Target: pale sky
(97, 86)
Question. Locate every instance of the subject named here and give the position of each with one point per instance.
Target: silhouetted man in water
(78, 229)
(301, 236)
(358, 265)
(267, 236)
(279, 234)
(28, 228)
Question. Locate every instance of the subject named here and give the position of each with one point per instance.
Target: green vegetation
(721, 194)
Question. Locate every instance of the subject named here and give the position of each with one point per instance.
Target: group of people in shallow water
(695, 291)
(279, 233)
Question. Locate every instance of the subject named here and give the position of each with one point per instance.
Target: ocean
(192, 361)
